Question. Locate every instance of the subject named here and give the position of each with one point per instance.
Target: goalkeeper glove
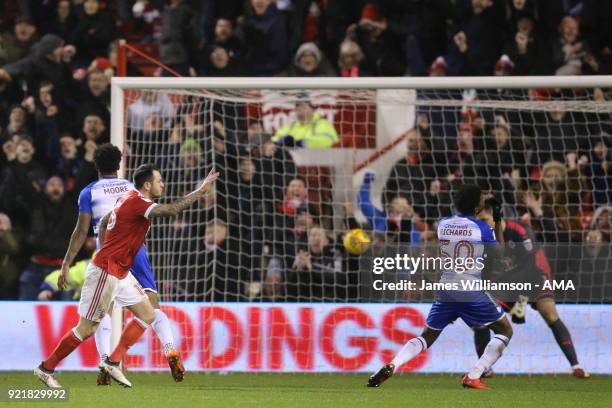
(518, 311)
(496, 208)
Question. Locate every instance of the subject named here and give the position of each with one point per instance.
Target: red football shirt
(126, 231)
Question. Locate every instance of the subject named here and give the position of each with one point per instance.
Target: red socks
(72, 340)
(67, 345)
(130, 335)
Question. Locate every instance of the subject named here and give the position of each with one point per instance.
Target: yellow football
(356, 241)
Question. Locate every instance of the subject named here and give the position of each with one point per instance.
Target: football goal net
(304, 161)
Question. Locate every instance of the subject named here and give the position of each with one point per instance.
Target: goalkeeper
(528, 263)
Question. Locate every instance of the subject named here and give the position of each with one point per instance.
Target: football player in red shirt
(108, 279)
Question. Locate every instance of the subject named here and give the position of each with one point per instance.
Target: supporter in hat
(15, 45)
(352, 60)
(309, 61)
(48, 60)
(382, 47)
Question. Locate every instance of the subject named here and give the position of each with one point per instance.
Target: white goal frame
(120, 84)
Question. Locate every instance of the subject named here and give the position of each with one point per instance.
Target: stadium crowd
(269, 233)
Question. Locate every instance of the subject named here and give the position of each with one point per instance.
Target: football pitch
(320, 390)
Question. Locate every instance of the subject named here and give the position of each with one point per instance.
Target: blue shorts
(142, 270)
(475, 308)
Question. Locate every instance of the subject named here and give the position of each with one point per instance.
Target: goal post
(273, 231)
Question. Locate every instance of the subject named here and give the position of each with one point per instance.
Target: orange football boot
(176, 365)
(476, 384)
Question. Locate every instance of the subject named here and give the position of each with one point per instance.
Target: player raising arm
(95, 201)
(109, 279)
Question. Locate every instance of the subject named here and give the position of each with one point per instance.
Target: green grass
(321, 390)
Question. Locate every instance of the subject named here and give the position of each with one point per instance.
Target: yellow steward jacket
(318, 133)
(76, 278)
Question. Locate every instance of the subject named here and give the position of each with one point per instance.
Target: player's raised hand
(496, 208)
(209, 181)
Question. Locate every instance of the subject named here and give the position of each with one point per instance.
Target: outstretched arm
(176, 207)
(376, 217)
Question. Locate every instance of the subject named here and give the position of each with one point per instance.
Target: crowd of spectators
(267, 234)
(312, 37)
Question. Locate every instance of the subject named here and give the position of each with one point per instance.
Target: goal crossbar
(367, 83)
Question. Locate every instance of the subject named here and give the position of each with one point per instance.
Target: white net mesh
(273, 230)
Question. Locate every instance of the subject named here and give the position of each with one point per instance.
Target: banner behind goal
(390, 153)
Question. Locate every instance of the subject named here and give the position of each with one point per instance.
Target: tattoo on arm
(176, 207)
